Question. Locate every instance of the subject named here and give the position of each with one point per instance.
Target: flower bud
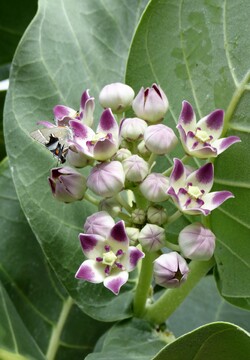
(157, 215)
(133, 234)
(154, 187)
(138, 216)
(106, 179)
(143, 149)
(67, 184)
(116, 96)
(152, 237)
(78, 158)
(135, 168)
(197, 242)
(170, 270)
(151, 104)
(132, 129)
(99, 223)
(111, 206)
(160, 139)
(122, 154)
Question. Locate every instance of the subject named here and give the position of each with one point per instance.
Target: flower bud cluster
(122, 155)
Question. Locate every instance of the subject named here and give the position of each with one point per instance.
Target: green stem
(172, 298)
(91, 199)
(124, 217)
(151, 159)
(58, 328)
(144, 283)
(174, 217)
(172, 246)
(234, 101)
(184, 159)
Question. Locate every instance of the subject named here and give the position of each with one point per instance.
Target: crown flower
(191, 193)
(201, 139)
(117, 96)
(110, 258)
(151, 104)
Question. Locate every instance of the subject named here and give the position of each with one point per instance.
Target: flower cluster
(122, 153)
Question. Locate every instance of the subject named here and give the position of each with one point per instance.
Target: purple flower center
(109, 259)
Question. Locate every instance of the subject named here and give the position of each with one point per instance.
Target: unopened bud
(135, 168)
(106, 179)
(133, 234)
(116, 96)
(151, 104)
(67, 185)
(132, 129)
(160, 139)
(152, 237)
(170, 270)
(99, 223)
(157, 215)
(197, 242)
(138, 216)
(122, 154)
(154, 187)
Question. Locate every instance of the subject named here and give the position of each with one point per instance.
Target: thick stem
(172, 298)
(91, 199)
(144, 283)
(123, 203)
(174, 217)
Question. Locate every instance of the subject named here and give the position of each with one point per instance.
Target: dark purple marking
(119, 252)
(200, 202)
(118, 265)
(118, 232)
(85, 96)
(79, 129)
(215, 120)
(135, 256)
(183, 191)
(107, 248)
(88, 242)
(195, 144)
(107, 270)
(115, 285)
(99, 259)
(155, 87)
(221, 196)
(187, 112)
(228, 142)
(107, 120)
(178, 170)
(85, 272)
(205, 174)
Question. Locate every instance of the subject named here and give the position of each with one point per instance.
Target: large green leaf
(216, 341)
(16, 343)
(205, 305)
(69, 46)
(130, 340)
(199, 51)
(57, 325)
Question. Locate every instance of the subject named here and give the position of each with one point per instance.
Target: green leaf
(69, 47)
(49, 314)
(214, 341)
(205, 305)
(203, 58)
(2, 146)
(16, 343)
(130, 340)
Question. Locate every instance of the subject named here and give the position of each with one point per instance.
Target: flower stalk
(172, 298)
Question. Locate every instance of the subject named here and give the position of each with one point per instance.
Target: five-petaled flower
(191, 192)
(110, 258)
(101, 145)
(201, 139)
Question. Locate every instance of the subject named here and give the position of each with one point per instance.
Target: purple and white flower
(191, 192)
(67, 184)
(110, 258)
(151, 104)
(63, 114)
(170, 270)
(201, 139)
(101, 145)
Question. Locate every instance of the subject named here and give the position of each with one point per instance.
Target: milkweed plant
(127, 233)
